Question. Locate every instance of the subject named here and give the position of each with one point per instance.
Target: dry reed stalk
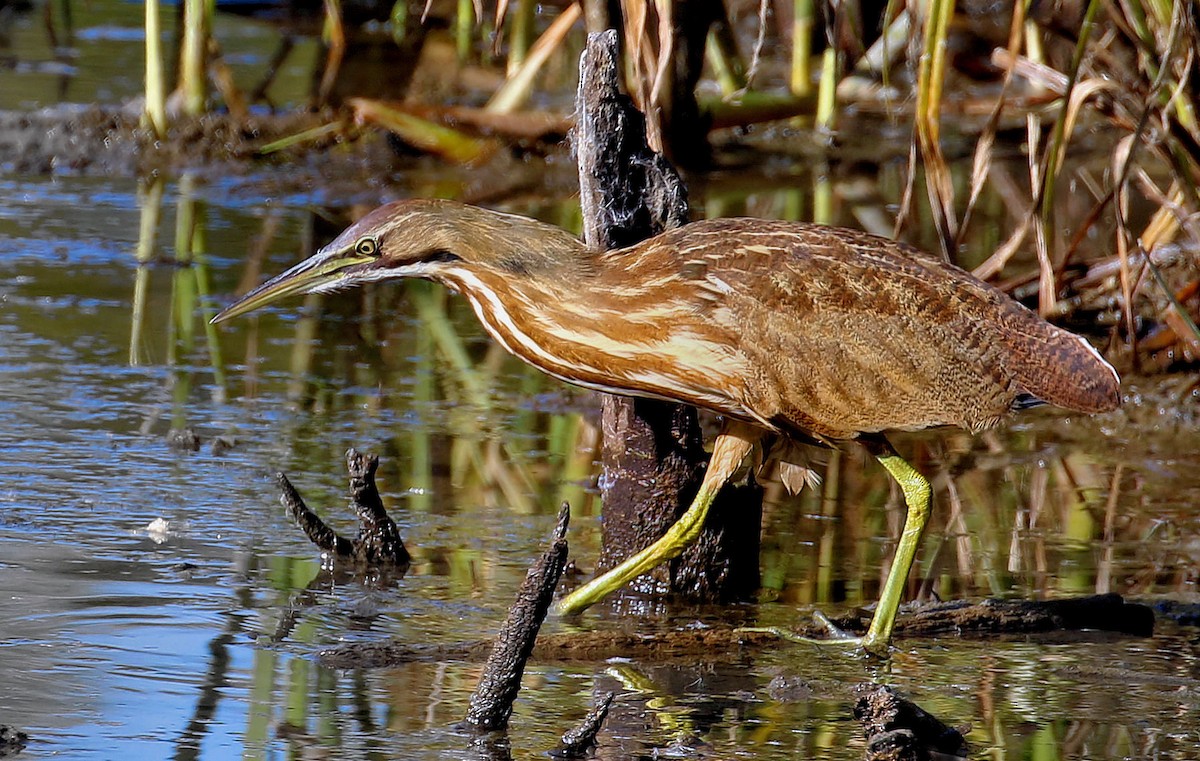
(931, 75)
(335, 34)
(641, 59)
(987, 139)
(515, 92)
(423, 134)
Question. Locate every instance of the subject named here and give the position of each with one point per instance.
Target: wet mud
(111, 141)
(324, 155)
(1083, 617)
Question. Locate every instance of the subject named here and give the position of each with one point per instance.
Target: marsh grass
(1121, 74)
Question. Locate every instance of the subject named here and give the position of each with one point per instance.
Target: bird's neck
(517, 252)
(542, 294)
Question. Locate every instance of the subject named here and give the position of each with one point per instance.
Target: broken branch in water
(378, 542)
(492, 702)
(896, 728)
(577, 741)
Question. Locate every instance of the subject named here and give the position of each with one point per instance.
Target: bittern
(821, 335)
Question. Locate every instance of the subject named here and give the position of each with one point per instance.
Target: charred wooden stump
(899, 730)
(378, 542)
(630, 193)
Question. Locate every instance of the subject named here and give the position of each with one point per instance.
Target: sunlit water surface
(156, 602)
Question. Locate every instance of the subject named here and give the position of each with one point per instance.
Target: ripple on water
(119, 640)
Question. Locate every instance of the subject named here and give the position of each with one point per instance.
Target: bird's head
(415, 238)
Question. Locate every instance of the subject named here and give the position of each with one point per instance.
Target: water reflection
(63, 52)
(198, 642)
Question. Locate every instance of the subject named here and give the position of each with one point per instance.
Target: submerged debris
(899, 730)
(712, 644)
(183, 439)
(789, 689)
(492, 702)
(1105, 614)
(579, 740)
(12, 741)
(378, 542)
(187, 440)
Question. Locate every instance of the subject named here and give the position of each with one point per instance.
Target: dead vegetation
(1109, 245)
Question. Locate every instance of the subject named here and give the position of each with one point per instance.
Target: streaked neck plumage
(582, 316)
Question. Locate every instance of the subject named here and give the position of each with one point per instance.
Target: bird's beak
(322, 269)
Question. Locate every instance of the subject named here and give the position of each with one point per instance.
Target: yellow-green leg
(730, 450)
(917, 499)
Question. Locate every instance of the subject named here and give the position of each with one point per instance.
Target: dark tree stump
(683, 127)
(629, 193)
(492, 702)
(378, 542)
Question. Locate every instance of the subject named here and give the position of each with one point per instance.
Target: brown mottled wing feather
(845, 333)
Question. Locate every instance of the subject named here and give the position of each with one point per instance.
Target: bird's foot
(868, 643)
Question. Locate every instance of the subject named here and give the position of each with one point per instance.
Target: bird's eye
(366, 246)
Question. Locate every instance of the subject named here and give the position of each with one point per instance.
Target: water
(100, 57)
(156, 602)
(125, 641)
(114, 631)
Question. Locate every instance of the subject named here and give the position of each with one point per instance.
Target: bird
(793, 332)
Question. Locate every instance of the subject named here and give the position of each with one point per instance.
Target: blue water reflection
(132, 572)
(156, 602)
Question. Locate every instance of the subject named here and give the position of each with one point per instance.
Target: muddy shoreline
(346, 167)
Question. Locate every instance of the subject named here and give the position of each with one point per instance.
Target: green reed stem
(156, 99)
(191, 65)
(803, 17)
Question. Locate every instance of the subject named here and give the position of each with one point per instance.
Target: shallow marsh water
(156, 602)
(124, 637)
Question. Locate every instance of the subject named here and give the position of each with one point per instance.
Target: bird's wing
(843, 332)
